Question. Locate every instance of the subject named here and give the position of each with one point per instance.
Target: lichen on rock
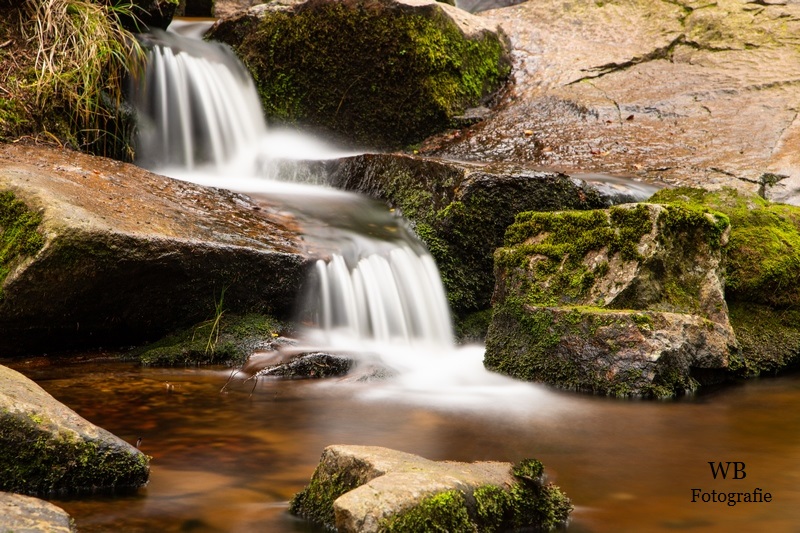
(380, 73)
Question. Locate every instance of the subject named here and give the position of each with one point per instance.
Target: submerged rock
(24, 514)
(626, 301)
(461, 211)
(97, 253)
(379, 73)
(367, 489)
(47, 449)
(700, 94)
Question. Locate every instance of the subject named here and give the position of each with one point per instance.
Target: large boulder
(378, 73)
(700, 94)
(96, 252)
(627, 301)
(24, 514)
(48, 449)
(145, 15)
(368, 489)
(762, 266)
(461, 211)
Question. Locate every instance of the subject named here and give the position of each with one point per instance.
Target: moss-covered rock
(369, 489)
(626, 301)
(46, 448)
(461, 211)
(762, 269)
(379, 73)
(100, 253)
(223, 339)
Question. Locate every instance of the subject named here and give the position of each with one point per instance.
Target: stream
(231, 461)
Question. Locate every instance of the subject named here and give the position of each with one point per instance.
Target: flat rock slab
(682, 92)
(24, 514)
(127, 255)
(47, 448)
(370, 489)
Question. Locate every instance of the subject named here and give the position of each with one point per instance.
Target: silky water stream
(230, 461)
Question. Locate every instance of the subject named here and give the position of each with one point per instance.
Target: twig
(8, 42)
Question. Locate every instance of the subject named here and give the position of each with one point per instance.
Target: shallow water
(231, 461)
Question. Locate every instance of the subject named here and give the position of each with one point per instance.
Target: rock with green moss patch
(94, 252)
(24, 514)
(762, 269)
(48, 449)
(380, 73)
(461, 211)
(367, 489)
(626, 302)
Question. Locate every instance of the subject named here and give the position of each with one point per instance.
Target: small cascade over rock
(201, 121)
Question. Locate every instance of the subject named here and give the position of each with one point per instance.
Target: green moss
(232, 343)
(473, 327)
(551, 247)
(443, 512)
(19, 233)
(315, 502)
(377, 74)
(769, 339)
(34, 462)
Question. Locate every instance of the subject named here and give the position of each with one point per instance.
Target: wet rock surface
(113, 254)
(683, 92)
(24, 514)
(46, 448)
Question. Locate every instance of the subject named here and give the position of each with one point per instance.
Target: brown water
(231, 461)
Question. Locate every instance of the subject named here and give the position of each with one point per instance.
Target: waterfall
(201, 120)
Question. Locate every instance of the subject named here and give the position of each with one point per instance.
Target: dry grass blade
(82, 58)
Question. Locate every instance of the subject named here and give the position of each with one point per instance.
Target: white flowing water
(378, 290)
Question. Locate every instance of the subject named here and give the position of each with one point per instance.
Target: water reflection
(230, 462)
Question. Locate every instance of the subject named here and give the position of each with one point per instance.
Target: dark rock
(113, 255)
(461, 211)
(378, 73)
(149, 14)
(623, 302)
(24, 514)
(367, 488)
(309, 365)
(46, 448)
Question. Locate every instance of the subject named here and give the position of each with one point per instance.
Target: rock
(48, 449)
(627, 301)
(149, 14)
(225, 339)
(229, 8)
(378, 73)
(98, 253)
(459, 210)
(367, 488)
(682, 92)
(762, 266)
(24, 514)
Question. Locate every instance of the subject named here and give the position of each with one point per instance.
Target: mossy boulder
(378, 73)
(24, 514)
(461, 211)
(48, 449)
(626, 301)
(99, 253)
(762, 269)
(368, 489)
(222, 339)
